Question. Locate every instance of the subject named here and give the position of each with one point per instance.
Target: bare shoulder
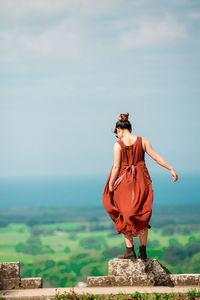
(149, 150)
(117, 146)
(145, 144)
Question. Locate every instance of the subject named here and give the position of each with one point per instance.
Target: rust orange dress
(130, 203)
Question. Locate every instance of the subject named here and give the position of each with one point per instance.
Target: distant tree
(192, 249)
(67, 250)
(174, 254)
(154, 243)
(168, 230)
(50, 263)
(33, 246)
(112, 252)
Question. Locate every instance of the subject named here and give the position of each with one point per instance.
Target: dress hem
(133, 232)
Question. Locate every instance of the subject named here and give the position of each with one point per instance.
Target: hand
(111, 189)
(174, 174)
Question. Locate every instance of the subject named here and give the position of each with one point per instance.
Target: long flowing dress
(129, 205)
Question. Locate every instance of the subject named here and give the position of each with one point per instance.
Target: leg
(129, 252)
(142, 249)
(128, 239)
(143, 238)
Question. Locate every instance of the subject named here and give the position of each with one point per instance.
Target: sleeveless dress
(129, 205)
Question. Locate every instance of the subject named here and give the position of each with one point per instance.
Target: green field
(65, 253)
(85, 250)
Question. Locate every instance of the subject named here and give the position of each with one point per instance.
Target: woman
(128, 193)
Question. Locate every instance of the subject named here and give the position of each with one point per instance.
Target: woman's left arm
(116, 165)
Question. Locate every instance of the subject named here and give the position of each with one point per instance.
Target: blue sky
(69, 68)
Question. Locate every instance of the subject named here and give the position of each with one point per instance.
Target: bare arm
(116, 165)
(151, 152)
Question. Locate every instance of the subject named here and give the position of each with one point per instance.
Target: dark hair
(123, 123)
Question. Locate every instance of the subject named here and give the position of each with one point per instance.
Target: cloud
(15, 9)
(152, 33)
(49, 28)
(24, 9)
(75, 29)
(65, 39)
(194, 15)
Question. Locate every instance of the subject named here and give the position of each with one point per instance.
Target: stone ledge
(31, 283)
(147, 272)
(10, 278)
(107, 281)
(9, 283)
(185, 279)
(176, 279)
(50, 293)
(20, 283)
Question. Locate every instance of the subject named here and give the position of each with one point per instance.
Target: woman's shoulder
(144, 143)
(119, 144)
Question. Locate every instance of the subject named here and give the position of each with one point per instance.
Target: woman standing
(128, 193)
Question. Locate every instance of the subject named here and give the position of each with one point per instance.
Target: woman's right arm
(151, 152)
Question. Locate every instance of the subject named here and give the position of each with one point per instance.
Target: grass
(59, 226)
(16, 233)
(190, 295)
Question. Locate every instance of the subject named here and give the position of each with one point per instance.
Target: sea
(80, 190)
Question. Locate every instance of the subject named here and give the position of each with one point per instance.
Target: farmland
(65, 253)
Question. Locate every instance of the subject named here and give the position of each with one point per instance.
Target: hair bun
(123, 117)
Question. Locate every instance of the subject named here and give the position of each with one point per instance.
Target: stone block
(185, 279)
(31, 283)
(9, 283)
(9, 270)
(147, 272)
(103, 281)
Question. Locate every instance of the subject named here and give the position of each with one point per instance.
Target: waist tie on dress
(131, 168)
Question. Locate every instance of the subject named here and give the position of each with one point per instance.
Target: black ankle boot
(142, 252)
(128, 254)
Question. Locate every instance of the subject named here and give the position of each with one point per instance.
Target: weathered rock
(125, 272)
(103, 281)
(31, 283)
(147, 272)
(9, 270)
(106, 281)
(10, 278)
(9, 283)
(185, 279)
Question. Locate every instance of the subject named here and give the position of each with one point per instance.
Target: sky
(68, 68)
